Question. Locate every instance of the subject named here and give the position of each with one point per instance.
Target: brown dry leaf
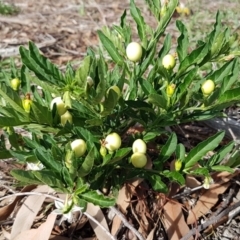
(97, 213)
(174, 221)
(210, 197)
(41, 233)
(28, 211)
(123, 201)
(192, 182)
(7, 210)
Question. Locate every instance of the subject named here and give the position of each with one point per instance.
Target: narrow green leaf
(156, 182)
(141, 25)
(111, 49)
(48, 178)
(218, 75)
(13, 103)
(83, 71)
(180, 152)
(183, 42)
(175, 176)
(37, 111)
(222, 153)
(168, 149)
(195, 57)
(230, 95)
(171, 7)
(25, 176)
(45, 63)
(184, 85)
(119, 155)
(87, 164)
(166, 46)
(97, 199)
(158, 100)
(222, 168)
(46, 158)
(202, 149)
(4, 154)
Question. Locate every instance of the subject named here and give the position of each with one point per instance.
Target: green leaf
(37, 111)
(218, 75)
(87, 164)
(184, 85)
(4, 154)
(141, 25)
(25, 176)
(166, 46)
(110, 102)
(202, 149)
(221, 168)
(13, 104)
(221, 154)
(195, 57)
(101, 86)
(97, 199)
(200, 171)
(175, 176)
(183, 42)
(168, 149)
(156, 183)
(154, 6)
(48, 178)
(180, 152)
(158, 100)
(111, 49)
(230, 95)
(83, 71)
(44, 62)
(171, 7)
(40, 65)
(46, 158)
(148, 60)
(119, 155)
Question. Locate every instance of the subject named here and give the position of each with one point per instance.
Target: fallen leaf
(174, 221)
(210, 197)
(41, 233)
(28, 211)
(97, 213)
(7, 210)
(123, 201)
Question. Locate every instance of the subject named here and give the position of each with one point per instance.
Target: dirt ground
(64, 29)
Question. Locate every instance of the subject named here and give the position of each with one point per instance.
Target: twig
(225, 203)
(186, 192)
(127, 224)
(211, 221)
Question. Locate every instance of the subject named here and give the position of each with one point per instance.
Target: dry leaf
(5, 234)
(174, 221)
(41, 233)
(210, 197)
(123, 201)
(97, 213)
(7, 210)
(28, 211)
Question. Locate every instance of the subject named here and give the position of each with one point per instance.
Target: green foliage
(98, 110)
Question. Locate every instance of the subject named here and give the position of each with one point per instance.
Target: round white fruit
(113, 141)
(61, 109)
(139, 146)
(79, 147)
